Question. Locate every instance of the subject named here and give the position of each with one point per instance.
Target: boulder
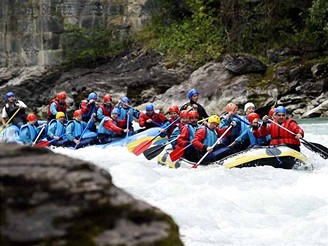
(52, 199)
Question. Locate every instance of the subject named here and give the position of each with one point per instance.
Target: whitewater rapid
(217, 206)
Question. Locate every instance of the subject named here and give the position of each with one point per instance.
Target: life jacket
(60, 128)
(59, 107)
(211, 137)
(254, 140)
(281, 136)
(77, 130)
(32, 133)
(11, 108)
(106, 109)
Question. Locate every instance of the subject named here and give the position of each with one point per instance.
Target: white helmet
(249, 104)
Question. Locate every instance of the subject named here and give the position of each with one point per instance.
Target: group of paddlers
(192, 132)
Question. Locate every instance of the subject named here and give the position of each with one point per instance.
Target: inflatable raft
(275, 156)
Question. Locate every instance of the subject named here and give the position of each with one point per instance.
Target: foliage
(85, 45)
(201, 30)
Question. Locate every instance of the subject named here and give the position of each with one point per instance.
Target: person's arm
(4, 116)
(53, 108)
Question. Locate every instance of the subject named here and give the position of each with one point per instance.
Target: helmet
(31, 117)
(183, 113)
(174, 109)
(107, 97)
(60, 114)
(272, 112)
(116, 111)
(192, 92)
(92, 95)
(149, 107)
(77, 113)
(231, 107)
(252, 116)
(9, 94)
(281, 109)
(249, 104)
(126, 100)
(61, 95)
(193, 114)
(214, 119)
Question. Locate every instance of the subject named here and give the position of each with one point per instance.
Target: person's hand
(76, 141)
(230, 115)
(232, 144)
(126, 130)
(209, 149)
(298, 136)
(56, 137)
(195, 107)
(233, 123)
(162, 130)
(149, 121)
(4, 126)
(265, 118)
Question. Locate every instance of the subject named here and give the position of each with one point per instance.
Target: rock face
(31, 31)
(52, 199)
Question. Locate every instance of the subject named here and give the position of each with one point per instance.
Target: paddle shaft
(36, 139)
(216, 142)
(7, 123)
(84, 130)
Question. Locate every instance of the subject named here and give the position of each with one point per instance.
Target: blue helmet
(192, 92)
(92, 95)
(116, 111)
(9, 94)
(149, 107)
(281, 109)
(126, 100)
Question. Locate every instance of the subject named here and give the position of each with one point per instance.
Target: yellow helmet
(60, 114)
(214, 119)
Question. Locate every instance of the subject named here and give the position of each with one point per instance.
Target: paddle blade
(142, 147)
(176, 154)
(153, 151)
(42, 144)
(131, 146)
(318, 148)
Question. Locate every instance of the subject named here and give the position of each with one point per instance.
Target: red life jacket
(104, 109)
(60, 108)
(281, 136)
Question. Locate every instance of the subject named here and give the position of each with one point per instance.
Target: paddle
(47, 143)
(7, 123)
(127, 128)
(315, 147)
(91, 119)
(156, 150)
(36, 139)
(145, 145)
(216, 142)
(178, 153)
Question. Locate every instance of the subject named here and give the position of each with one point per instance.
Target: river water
(218, 206)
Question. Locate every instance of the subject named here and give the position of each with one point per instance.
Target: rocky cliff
(31, 32)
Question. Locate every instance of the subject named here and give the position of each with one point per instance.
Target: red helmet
(77, 113)
(231, 107)
(272, 112)
(252, 116)
(61, 95)
(107, 97)
(174, 109)
(184, 113)
(193, 114)
(31, 117)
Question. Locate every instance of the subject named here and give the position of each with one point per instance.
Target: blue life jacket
(211, 137)
(28, 133)
(102, 129)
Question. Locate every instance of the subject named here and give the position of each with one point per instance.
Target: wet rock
(51, 199)
(243, 64)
